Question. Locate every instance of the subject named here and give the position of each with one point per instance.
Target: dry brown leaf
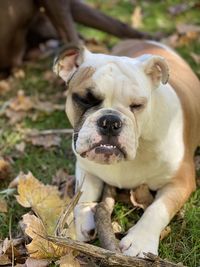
(19, 73)
(141, 196)
(14, 116)
(21, 102)
(43, 199)
(179, 8)
(165, 232)
(45, 140)
(3, 205)
(5, 169)
(47, 106)
(96, 47)
(116, 227)
(65, 183)
(68, 261)
(39, 247)
(49, 76)
(4, 260)
(187, 28)
(187, 38)
(136, 18)
(195, 57)
(197, 162)
(4, 87)
(31, 262)
(21, 147)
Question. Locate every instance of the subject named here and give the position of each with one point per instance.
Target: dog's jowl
(136, 119)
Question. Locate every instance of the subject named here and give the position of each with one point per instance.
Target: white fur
(160, 148)
(156, 137)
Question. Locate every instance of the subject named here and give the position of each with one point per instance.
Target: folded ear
(156, 67)
(68, 61)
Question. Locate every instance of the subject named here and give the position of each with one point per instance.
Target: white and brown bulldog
(136, 119)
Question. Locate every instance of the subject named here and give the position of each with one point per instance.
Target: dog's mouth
(106, 150)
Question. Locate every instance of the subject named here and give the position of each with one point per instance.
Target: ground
(36, 81)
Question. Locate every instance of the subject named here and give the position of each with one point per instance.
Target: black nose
(109, 125)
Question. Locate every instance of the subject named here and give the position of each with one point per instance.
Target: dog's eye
(88, 101)
(135, 107)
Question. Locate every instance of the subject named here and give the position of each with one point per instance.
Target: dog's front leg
(91, 188)
(144, 236)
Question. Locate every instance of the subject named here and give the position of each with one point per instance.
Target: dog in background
(136, 119)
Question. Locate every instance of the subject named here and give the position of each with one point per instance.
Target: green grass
(183, 244)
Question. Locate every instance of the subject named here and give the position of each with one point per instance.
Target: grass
(183, 244)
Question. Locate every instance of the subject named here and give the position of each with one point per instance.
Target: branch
(91, 17)
(108, 257)
(103, 222)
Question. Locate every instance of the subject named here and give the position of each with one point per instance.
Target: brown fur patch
(81, 79)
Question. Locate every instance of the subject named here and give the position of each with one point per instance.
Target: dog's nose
(109, 125)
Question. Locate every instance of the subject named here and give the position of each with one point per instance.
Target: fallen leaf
(116, 227)
(136, 18)
(96, 47)
(68, 261)
(31, 262)
(43, 199)
(4, 260)
(65, 182)
(141, 196)
(179, 8)
(187, 28)
(165, 232)
(19, 73)
(5, 169)
(44, 140)
(3, 205)
(14, 116)
(197, 162)
(21, 102)
(49, 76)
(39, 247)
(14, 246)
(4, 87)
(21, 147)
(195, 57)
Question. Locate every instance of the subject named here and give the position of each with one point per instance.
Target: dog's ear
(68, 61)
(156, 67)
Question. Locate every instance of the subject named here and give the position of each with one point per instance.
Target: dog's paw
(138, 241)
(84, 221)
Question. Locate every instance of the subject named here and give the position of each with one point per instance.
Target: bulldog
(136, 120)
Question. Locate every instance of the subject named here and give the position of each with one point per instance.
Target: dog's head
(108, 101)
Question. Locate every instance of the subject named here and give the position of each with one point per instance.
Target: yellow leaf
(43, 199)
(21, 102)
(68, 261)
(136, 17)
(3, 205)
(40, 248)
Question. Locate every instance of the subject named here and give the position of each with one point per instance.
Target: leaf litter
(51, 215)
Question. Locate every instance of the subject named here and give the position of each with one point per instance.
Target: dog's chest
(155, 172)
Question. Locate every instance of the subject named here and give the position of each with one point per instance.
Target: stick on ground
(110, 258)
(103, 222)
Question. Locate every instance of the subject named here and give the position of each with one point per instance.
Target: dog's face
(109, 101)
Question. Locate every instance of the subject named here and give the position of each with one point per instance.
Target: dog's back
(182, 79)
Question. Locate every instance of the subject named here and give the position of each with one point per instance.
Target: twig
(62, 220)
(51, 131)
(11, 240)
(108, 257)
(103, 219)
